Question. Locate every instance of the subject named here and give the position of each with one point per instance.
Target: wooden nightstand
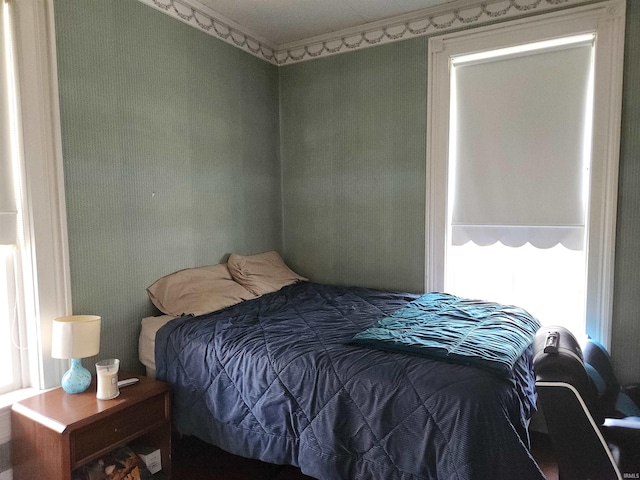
(55, 432)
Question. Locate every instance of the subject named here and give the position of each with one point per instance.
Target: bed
(277, 377)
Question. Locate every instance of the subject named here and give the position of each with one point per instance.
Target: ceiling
(283, 22)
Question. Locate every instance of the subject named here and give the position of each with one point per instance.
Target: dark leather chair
(614, 400)
(588, 445)
(618, 405)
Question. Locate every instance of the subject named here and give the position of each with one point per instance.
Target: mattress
(147, 341)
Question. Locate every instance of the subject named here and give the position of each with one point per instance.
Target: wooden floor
(196, 460)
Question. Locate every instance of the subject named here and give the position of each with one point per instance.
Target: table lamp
(76, 337)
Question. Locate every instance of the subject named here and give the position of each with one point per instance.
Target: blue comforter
(274, 379)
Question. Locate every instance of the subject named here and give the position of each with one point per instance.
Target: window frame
(44, 259)
(606, 20)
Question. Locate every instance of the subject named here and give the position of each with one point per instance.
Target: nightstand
(55, 432)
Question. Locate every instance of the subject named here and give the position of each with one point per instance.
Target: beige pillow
(197, 291)
(262, 273)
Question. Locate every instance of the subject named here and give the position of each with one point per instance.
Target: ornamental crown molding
(435, 20)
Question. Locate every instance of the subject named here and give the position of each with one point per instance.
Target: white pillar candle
(107, 373)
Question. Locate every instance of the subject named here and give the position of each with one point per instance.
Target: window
(519, 158)
(10, 378)
(34, 278)
(523, 144)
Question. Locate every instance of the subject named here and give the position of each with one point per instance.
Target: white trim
(605, 18)
(438, 98)
(589, 417)
(45, 211)
(607, 111)
(444, 18)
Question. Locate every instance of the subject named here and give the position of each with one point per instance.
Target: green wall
(354, 184)
(626, 295)
(171, 156)
(172, 143)
(353, 161)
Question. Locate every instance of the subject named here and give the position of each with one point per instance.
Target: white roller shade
(521, 178)
(8, 211)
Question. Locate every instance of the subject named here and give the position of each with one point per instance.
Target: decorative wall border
(203, 18)
(440, 19)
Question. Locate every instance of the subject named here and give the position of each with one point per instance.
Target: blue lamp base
(77, 379)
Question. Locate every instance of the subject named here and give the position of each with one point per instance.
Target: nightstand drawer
(119, 427)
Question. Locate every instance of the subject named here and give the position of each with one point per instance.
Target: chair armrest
(628, 423)
(622, 431)
(625, 434)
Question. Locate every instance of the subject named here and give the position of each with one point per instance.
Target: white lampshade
(75, 336)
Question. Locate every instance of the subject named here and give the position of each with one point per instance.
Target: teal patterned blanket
(478, 333)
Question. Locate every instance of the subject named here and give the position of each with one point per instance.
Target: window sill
(6, 400)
